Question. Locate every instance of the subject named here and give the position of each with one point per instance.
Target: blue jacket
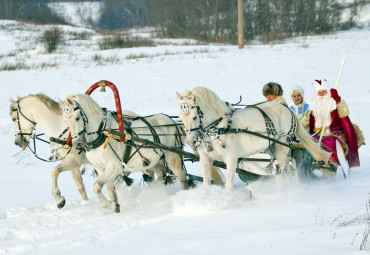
(300, 109)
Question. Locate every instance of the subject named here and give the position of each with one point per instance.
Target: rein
(34, 151)
(55, 147)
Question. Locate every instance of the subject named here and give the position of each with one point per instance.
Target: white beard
(320, 107)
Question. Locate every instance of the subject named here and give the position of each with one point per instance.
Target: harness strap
(223, 131)
(293, 128)
(19, 110)
(155, 136)
(269, 124)
(126, 155)
(99, 140)
(152, 130)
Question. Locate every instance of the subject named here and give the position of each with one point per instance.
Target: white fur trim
(298, 89)
(323, 86)
(320, 107)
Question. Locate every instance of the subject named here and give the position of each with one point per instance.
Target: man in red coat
(339, 135)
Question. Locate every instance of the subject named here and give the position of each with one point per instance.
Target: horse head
(24, 125)
(191, 116)
(75, 119)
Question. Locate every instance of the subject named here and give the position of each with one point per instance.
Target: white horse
(39, 109)
(31, 110)
(84, 117)
(220, 134)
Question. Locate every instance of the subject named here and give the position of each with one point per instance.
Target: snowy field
(293, 218)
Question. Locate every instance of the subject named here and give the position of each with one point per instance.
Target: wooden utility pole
(240, 24)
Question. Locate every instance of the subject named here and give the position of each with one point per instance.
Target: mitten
(334, 95)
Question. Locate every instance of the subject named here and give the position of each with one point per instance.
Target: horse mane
(206, 98)
(87, 104)
(47, 101)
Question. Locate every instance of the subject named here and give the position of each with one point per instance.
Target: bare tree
(29, 10)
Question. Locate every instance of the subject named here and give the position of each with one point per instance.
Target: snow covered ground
(293, 218)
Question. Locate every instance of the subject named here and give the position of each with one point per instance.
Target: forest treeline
(28, 10)
(208, 20)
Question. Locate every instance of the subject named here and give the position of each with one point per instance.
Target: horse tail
(217, 175)
(312, 145)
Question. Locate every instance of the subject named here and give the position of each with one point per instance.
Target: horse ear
(12, 101)
(178, 97)
(18, 97)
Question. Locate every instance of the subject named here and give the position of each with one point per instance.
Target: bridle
(208, 133)
(17, 119)
(68, 112)
(185, 110)
(101, 137)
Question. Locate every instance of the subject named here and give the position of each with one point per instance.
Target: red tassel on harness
(69, 138)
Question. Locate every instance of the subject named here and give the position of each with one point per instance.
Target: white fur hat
(298, 89)
(321, 85)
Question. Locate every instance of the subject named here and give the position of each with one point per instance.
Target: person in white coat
(300, 107)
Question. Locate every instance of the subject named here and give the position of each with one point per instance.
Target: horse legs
(217, 176)
(175, 165)
(282, 158)
(231, 165)
(76, 174)
(206, 167)
(106, 177)
(77, 177)
(158, 169)
(55, 189)
(112, 192)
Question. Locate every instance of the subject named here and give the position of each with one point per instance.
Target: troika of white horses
(259, 141)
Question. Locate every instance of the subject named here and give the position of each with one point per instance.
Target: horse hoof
(61, 203)
(116, 209)
(148, 178)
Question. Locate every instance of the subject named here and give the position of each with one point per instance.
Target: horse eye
(13, 119)
(78, 118)
(194, 118)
